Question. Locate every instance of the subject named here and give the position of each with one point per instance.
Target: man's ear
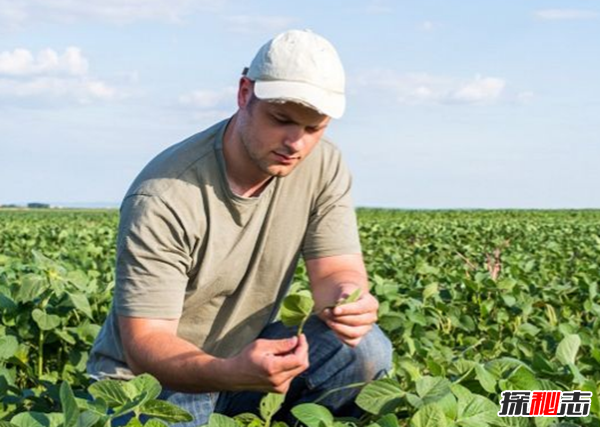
(245, 89)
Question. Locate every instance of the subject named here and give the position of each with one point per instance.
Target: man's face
(278, 136)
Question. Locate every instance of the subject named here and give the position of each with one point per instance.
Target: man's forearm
(176, 363)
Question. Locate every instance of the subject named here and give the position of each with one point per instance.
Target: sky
(450, 103)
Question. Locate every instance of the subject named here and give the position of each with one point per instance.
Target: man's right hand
(269, 365)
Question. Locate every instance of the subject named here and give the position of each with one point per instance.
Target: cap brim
(326, 102)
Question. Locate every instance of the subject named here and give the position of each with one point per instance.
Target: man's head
(302, 67)
(286, 98)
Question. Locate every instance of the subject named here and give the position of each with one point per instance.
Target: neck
(244, 178)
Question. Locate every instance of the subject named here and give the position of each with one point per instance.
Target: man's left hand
(354, 320)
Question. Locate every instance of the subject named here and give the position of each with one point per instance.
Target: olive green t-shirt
(189, 248)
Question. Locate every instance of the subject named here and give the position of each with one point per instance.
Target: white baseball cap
(301, 66)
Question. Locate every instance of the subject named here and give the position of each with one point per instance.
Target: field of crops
(474, 302)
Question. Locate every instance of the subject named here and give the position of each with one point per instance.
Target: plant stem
(41, 354)
(335, 390)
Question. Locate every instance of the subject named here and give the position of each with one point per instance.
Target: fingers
(353, 319)
(277, 347)
(282, 369)
(350, 335)
(366, 304)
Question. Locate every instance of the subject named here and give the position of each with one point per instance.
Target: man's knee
(374, 354)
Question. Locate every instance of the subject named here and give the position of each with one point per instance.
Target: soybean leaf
(89, 419)
(431, 389)
(270, 404)
(69, 405)
(134, 422)
(476, 411)
(8, 347)
(144, 383)
(568, 348)
(350, 298)
(389, 420)
(429, 416)
(45, 321)
(296, 309)
(486, 379)
(81, 303)
(32, 286)
(380, 397)
(218, 420)
(110, 391)
(166, 411)
(37, 419)
(313, 415)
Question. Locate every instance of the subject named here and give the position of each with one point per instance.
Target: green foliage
(474, 303)
(296, 309)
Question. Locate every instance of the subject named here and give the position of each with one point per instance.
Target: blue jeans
(332, 365)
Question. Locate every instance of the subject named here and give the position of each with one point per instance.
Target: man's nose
(294, 139)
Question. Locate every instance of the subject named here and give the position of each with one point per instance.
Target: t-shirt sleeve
(332, 227)
(152, 260)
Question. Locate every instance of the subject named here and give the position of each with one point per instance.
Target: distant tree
(38, 205)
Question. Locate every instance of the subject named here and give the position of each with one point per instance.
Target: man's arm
(152, 345)
(334, 278)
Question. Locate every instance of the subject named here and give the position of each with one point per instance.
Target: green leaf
(313, 415)
(350, 298)
(7, 303)
(486, 379)
(430, 290)
(32, 286)
(568, 348)
(590, 385)
(432, 389)
(81, 303)
(89, 419)
(476, 411)
(166, 411)
(296, 308)
(98, 406)
(218, 420)
(37, 419)
(134, 422)
(380, 396)
(69, 405)
(8, 347)
(389, 420)
(521, 379)
(270, 404)
(144, 383)
(429, 416)
(110, 391)
(45, 321)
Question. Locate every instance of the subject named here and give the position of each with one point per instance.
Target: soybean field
(475, 303)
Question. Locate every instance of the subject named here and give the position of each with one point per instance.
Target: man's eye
(282, 121)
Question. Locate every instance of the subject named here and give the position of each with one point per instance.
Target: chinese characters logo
(545, 403)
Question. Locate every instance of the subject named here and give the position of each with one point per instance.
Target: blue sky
(451, 104)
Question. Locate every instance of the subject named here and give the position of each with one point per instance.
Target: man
(209, 238)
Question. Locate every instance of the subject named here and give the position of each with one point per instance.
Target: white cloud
(209, 105)
(565, 14)
(479, 90)
(50, 77)
(429, 89)
(21, 62)
(257, 24)
(209, 99)
(16, 14)
(427, 26)
(378, 7)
